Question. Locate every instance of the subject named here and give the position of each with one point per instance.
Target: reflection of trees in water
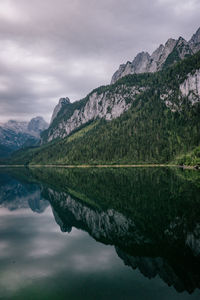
(150, 215)
(173, 261)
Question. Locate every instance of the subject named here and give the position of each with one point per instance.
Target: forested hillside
(161, 124)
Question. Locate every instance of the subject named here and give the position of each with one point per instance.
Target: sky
(51, 49)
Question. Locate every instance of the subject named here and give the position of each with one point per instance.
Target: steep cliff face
(173, 51)
(144, 62)
(188, 89)
(62, 102)
(106, 104)
(110, 102)
(195, 41)
(160, 55)
(191, 87)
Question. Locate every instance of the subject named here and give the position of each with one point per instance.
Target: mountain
(158, 234)
(195, 41)
(62, 102)
(109, 102)
(142, 118)
(163, 56)
(15, 135)
(36, 126)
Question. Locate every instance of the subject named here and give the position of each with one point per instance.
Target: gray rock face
(191, 87)
(143, 62)
(102, 105)
(61, 103)
(111, 104)
(195, 41)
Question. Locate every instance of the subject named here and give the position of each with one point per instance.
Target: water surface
(99, 233)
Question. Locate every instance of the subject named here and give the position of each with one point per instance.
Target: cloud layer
(51, 49)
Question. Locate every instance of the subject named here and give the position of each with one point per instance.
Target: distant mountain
(165, 55)
(36, 126)
(15, 135)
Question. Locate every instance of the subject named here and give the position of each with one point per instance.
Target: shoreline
(101, 166)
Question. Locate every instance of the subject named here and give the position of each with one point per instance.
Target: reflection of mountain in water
(16, 195)
(151, 216)
(111, 227)
(182, 274)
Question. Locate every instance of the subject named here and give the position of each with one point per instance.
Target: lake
(99, 233)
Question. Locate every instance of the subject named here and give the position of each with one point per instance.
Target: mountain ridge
(164, 55)
(102, 104)
(159, 120)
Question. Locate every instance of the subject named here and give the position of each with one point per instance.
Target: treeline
(149, 132)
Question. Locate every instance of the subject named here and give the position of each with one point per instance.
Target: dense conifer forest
(149, 132)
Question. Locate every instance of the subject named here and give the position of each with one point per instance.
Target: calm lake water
(99, 233)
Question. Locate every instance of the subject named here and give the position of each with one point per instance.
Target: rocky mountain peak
(170, 42)
(62, 101)
(140, 62)
(181, 42)
(196, 37)
(183, 48)
(195, 41)
(172, 51)
(156, 54)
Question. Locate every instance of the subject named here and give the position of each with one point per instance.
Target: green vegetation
(148, 196)
(5, 151)
(81, 131)
(149, 132)
(190, 159)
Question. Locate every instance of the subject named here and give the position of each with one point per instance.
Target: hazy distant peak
(37, 125)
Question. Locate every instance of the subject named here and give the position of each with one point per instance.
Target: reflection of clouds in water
(4, 246)
(84, 262)
(35, 248)
(20, 212)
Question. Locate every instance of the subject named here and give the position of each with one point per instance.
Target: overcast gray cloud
(50, 49)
